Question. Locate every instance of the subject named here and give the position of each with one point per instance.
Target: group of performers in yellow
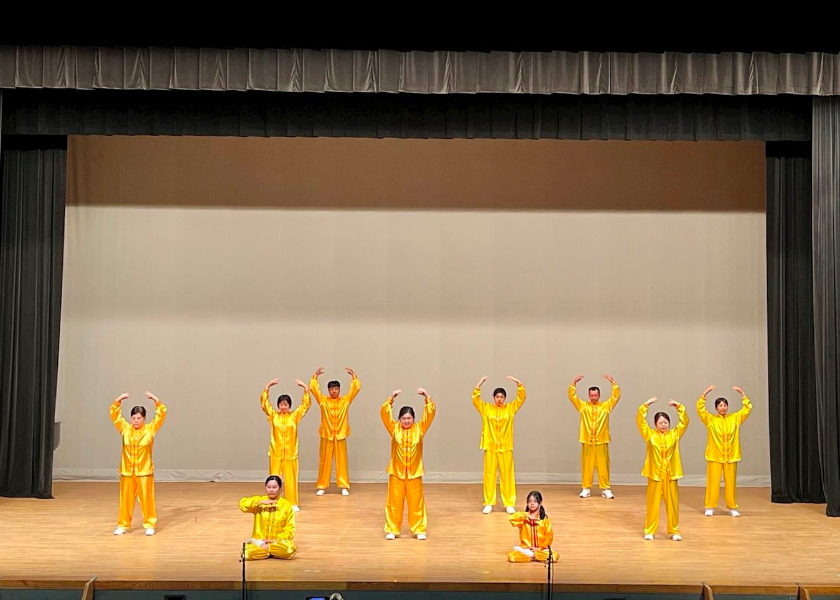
(274, 522)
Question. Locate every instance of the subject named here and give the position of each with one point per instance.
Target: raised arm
(683, 415)
(315, 387)
(355, 385)
(385, 412)
(641, 419)
(476, 395)
(573, 397)
(116, 412)
(520, 393)
(305, 402)
(428, 411)
(615, 394)
(704, 414)
(265, 403)
(746, 409)
(160, 412)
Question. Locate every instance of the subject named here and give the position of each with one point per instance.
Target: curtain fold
(31, 257)
(794, 453)
(418, 72)
(826, 251)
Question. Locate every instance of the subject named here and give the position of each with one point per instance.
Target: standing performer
(274, 523)
(663, 466)
(723, 449)
(595, 435)
(497, 442)
(405, 469)
(335, 427)
(137, 478)
(535, 534)
(283, 450)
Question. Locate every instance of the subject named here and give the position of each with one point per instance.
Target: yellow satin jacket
(137, 444)
(407, 444)
(272, 522)
(284, 437)
(497, 421)
(533, 533)
(724, 443)
(595, 418)
(334, 421)
(662, 462)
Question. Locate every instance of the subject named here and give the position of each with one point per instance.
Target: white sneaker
(648, 536)
(676, 537)
(295, 508)
(390, 536)
(585, 493)
(525, 551)
(709, 512)
(421, 536)
(320, 492)
(120, 530)
(150, 531)
(345, 492)
(608, 494)
(734, 513)
(487, 509)
(510, 510)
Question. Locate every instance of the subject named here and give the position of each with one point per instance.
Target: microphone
(242, 553)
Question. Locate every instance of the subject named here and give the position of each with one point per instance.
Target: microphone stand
(548, 591)
(242, 560)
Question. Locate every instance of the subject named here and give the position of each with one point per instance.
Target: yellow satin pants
(288, 472)
(503, 462)
(713, 472)
(327, 450)
(400, 491)
(657, 491)
(595, 457)
(279, 549)
(143, 489)
(539, 555)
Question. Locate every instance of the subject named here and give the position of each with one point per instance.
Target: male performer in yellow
(405, 469)
(335, 427)
(497, 442)
(595, 435)
(283, 450)
(137, 470)
(663, 467)
(723, 449)
(274, 523)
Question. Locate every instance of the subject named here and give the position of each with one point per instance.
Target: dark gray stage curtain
(794, 453)
(418, 72)
(105, 112)
(826, 231)
(31, 255)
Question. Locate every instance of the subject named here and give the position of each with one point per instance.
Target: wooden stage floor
(341, 542)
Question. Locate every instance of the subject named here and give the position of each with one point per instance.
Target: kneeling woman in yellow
(663, 467)
(283, 450)
(535, 534)
(405, 469)
(137, 478)
(274, 523)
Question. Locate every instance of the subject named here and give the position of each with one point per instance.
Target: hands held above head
(422, 392)
(152, 397)
(651, 401)
(577, 379)
(707, 390)
(350, 372)
(513, 379)
(481, 381)
(673, 403)
(271, 383)
(120, 398)
(740, 391)
(301, 384)
(318, 372)
(610, 379)
(395, 393)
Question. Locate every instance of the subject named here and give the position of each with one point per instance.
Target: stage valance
(416, 72)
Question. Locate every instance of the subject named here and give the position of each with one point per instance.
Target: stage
(341, 545)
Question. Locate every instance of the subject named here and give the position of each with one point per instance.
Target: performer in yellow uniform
(595, 435)
(137, 478)
(283, 450)
(497, 442)
(405, 469)
(274, 523)
(335, 427)
(663, 466)
(535, 534)
(723, 449)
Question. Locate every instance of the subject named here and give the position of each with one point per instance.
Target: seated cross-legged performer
(334, 430)
(283, 450)
(497, 442)
(595, 435)
(723, 449)
(535, 534)
(274, 523)
(137, 471)
(405, 469)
